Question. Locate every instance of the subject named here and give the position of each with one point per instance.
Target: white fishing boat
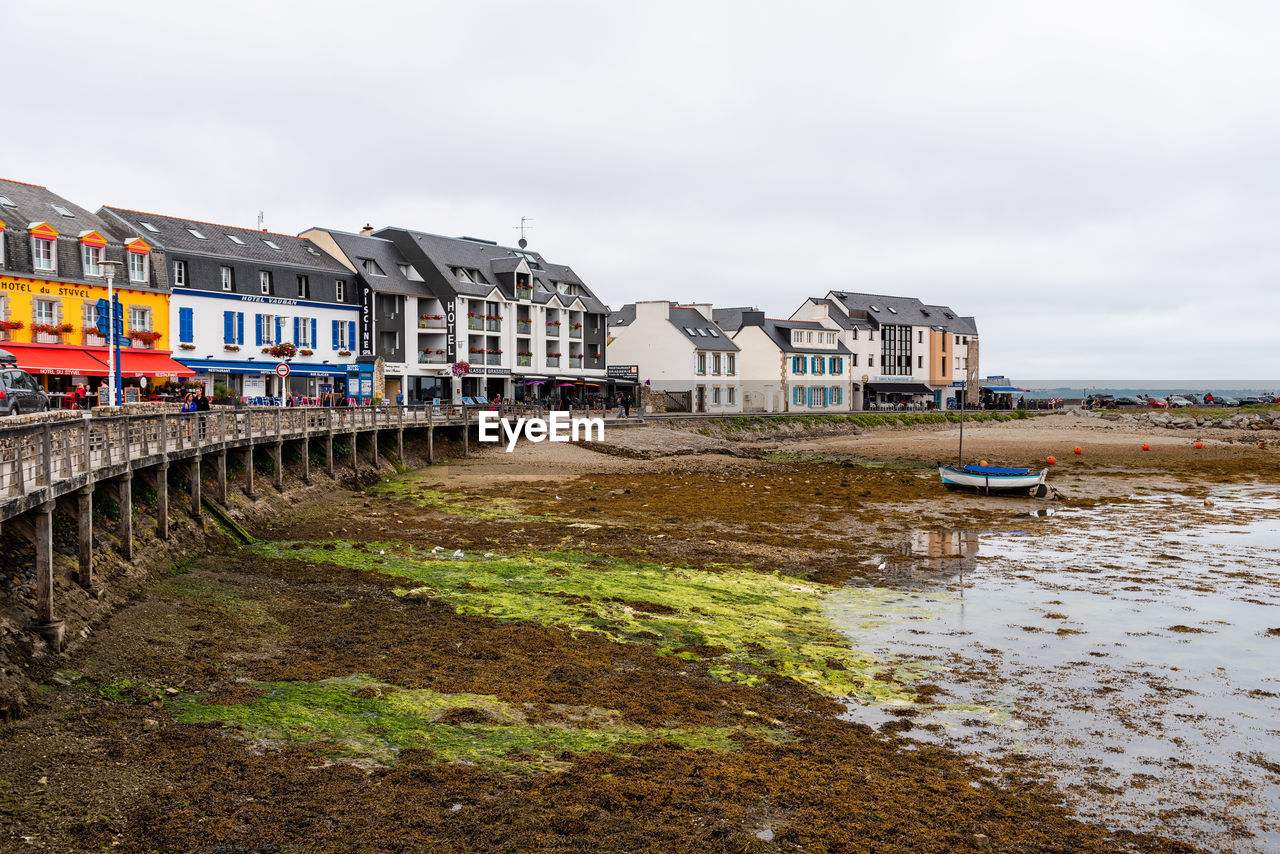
(995, 479)
(990, 479)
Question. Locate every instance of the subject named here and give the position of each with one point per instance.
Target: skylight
(875, 308)
(689, 330)
(149, 227)
(948, 315)
(61, 211)
(701, 332)
(197, 235)
(893, 310)
(4, 200)
(272, 245)
(237, 241)
(713, 333)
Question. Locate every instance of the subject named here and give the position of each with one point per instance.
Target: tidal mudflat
(571, 651)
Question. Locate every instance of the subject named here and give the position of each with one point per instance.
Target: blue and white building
(245, 300)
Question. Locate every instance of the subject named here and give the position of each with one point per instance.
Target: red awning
(56, 360)
(151, 363)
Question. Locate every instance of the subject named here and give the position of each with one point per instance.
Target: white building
(902, 350)
(244, 300)
(789, 365)
(678, 350)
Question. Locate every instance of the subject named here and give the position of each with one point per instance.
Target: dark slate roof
(885, 309)
(172, 235)
(359, 247)
(495, 263)
(946, 320)
(779, 331)
(624, 316)
(841, 319)
(730, 319)
(35, 204)
(684, 318)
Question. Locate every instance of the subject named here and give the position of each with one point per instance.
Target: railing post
(47, 442)
(88, 445)
(164, 434)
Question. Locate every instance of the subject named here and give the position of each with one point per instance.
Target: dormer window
(92, 246)
(371, 267)
(44, 250)
(138, 267)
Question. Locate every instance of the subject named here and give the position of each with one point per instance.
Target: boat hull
(1031, 483)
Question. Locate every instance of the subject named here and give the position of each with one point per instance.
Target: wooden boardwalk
(58, 462)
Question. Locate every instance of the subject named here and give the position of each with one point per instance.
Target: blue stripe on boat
(995, 470)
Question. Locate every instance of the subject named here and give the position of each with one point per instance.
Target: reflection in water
(1140, 677)
(943, 544)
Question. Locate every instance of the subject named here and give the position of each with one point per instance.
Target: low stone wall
(1172, 420)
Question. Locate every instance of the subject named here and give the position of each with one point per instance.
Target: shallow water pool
(1132, 651)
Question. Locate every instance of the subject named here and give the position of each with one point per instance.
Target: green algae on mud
(359, 718)
(452, 503)
(743, 624)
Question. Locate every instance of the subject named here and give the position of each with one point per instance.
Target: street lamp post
(109, 270)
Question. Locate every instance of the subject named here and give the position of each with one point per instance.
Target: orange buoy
(1146, 447)
(982, 462)
(1050, 460)
(1077, 451)
(1199, 444)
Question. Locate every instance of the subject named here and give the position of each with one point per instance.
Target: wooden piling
(248, 473)
(222, 477)
(277, 457)
(84, 517)
(160, 476)
(197, 509)
(125, 493)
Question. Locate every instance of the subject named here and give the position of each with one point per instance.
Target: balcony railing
(553, 361)
(46, 338)
(524, 361)
(493, 359)
(524, 293)
(431, 323)
(93, 339)
(553, 329)
(432, 358)
(523, 327)
(575, 333)
(493, 325)
(575, 361)
(475, 323)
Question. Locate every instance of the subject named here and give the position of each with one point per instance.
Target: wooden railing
(55, 456)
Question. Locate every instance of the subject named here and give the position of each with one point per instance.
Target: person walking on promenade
(619, 402)
(202, 405)
(626, 404)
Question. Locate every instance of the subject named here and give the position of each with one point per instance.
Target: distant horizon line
(1060, 383)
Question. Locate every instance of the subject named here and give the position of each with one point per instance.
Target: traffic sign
(102, 306)
(282, 370)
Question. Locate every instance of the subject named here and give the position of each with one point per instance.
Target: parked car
(1126, 400)
(1156, 403)
(1178, 401)
(1267, 398)
(1197, 399)
(1101, 401)
(1225, 401)
(1251, 401)
(20, 393)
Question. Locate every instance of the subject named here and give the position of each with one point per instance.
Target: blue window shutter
(257, 325)
(228, 327)
(297, 330)
(239, 327)
(185, 332)
(351, 334)
(314, 342)
(336, 333)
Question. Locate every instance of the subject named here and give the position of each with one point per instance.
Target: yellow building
(52, 274)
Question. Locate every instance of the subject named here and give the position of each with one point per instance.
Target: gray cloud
(1095, 181)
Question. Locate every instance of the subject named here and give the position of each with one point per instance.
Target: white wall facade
(671, 362)
(227, 333)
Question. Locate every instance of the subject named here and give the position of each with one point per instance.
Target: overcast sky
(1097, 182)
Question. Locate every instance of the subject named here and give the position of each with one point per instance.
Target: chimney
(753, 318)
(703, 308)
(367, 230)
(821, 311)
